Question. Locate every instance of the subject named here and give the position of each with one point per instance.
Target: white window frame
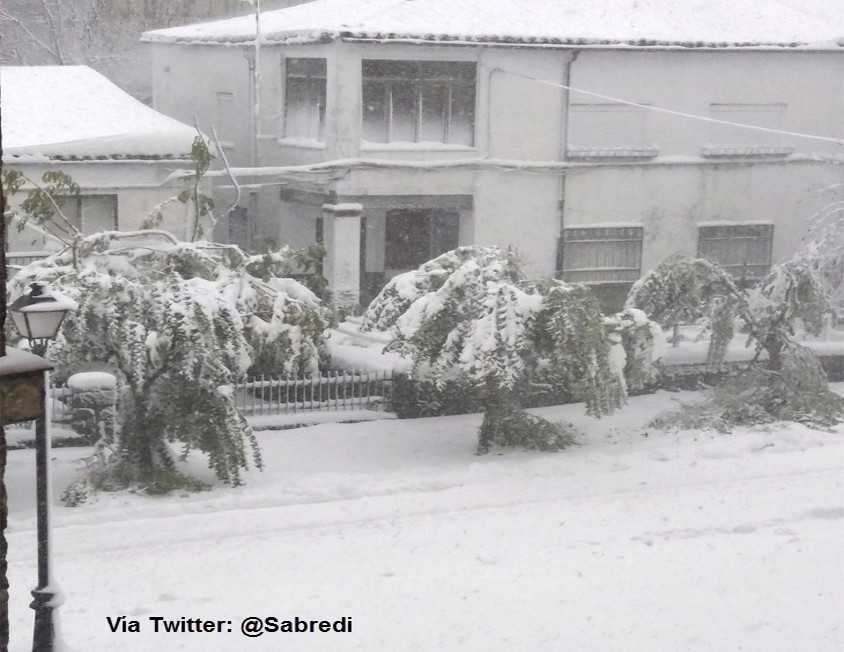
(454, 83)
(316, 82)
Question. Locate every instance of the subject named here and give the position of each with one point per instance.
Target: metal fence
(266, 395)
(333, 390)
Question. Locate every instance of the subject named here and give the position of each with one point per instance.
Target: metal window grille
(602, 254)
(744, 250)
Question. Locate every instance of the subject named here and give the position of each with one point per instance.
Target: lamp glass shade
(38, 325)
(38, 314)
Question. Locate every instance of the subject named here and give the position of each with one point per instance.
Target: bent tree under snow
(179, 323)
(471, 316)
(793, 385)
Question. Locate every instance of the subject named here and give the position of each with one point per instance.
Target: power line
(658, 109)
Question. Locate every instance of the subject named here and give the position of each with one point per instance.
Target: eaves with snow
(804, 24)
(75, 113)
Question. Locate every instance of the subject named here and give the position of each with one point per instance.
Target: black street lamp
(38, 316)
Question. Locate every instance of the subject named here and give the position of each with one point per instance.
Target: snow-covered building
(121, 153)
(597, 138)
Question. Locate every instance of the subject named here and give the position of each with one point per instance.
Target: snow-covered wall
(809, 86)
(679, 189)
(208, 86)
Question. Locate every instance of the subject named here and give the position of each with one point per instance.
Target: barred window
(419, 101)
(744, 250)
(304, 106)
(602, 254)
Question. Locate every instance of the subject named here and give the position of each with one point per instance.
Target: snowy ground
(636, 540)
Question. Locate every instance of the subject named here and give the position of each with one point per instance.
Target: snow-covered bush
(642, 343)
(92, 403)
(178, 323)
(471, 317)
(403, 290)
(684, 290)
(793, 384)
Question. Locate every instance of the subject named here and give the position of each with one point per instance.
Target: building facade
(447, 136)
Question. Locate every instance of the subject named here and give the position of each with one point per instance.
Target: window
(415, 236)
(240, 232)
(419, 101)
(602, 254)
(304, 107)
(91, 213)
(744, 250)
(608, 130)
(733, 140)
(226, 122)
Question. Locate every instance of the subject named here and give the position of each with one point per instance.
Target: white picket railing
(266, 395)
(333, 390)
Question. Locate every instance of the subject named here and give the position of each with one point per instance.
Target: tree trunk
(498, 406)
(774, 347)
(138, 440)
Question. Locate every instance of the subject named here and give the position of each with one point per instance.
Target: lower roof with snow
(74, 113)
(814, 24)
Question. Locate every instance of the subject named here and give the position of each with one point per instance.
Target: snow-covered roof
(73, 112)
(16, 361)
(817, 24)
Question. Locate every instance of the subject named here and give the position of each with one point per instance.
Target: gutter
(507, 165)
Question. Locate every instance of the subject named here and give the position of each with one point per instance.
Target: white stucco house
(597, 138)
(124, 155)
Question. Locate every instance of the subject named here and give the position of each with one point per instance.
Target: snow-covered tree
(823, 253)
(179, 323)
(638, 345)
(201, 206)
(682, 289)
(471, 316)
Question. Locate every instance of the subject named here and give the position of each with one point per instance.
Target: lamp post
(38, 316)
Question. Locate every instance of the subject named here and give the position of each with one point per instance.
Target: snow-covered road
(662, 542)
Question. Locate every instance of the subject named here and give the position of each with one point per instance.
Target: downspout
(255, 86)
(253, 135)
(564, 137)
(256, 106)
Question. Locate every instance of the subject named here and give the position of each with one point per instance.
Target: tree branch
(32, 37)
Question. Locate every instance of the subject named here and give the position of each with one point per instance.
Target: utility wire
(658, 109)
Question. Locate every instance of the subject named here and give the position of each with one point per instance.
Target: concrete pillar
(341, 234)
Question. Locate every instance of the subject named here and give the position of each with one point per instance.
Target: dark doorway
(416, 235)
